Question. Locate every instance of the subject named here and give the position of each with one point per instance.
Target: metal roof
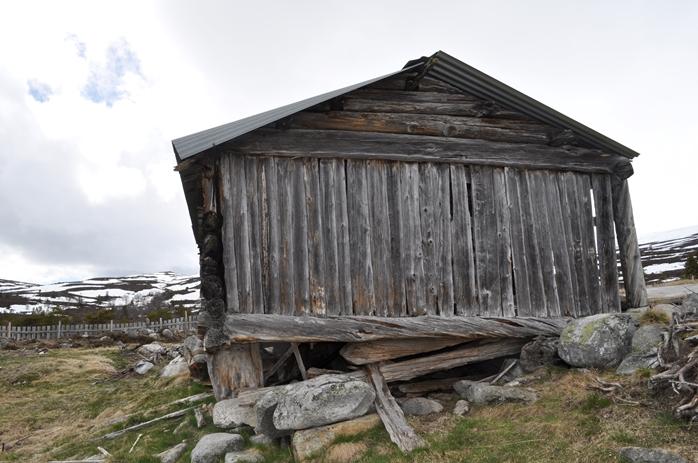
(441, 66)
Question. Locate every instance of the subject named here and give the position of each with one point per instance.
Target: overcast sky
(92, 93)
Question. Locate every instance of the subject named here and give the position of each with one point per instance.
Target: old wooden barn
(432, 192)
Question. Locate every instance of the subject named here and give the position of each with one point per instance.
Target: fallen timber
(253, 328)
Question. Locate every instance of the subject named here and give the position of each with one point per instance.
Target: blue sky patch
(104, 84)
(40, 91)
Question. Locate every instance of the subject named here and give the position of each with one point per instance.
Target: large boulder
(419, 406)
(264, 413)
(644, 346)
(598, 341)
(539, 352)
(309, 442)
(690, 304)
(643, 455)
(323, 400)
(229, 414)
(485, 394)
(152, 349)
(172, 455)
(212, 447)
(143, 367)
(245, 456)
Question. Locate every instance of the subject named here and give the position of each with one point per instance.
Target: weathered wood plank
(396, 298)
(505, 130)
(606, 243)
(317, 272)
(445, 251)
(286, 239)
(328, 202)
(464, 288)
(518, 216)
(536, 285)
(429, 209)
(272, 229)
(413, 262)
(401, 433)
(363, 299)
(401, 147)
(541, 225)
(343, 243)
(265, 242)
(362, 353)
(228, 236)
(631, 265)
(561, 256)
(255, 210)
(486, 248)
(376, 175)
(570, 221)
(503, 242)
(245, 328)
(241, 232)
(301, 271)
(588, 241)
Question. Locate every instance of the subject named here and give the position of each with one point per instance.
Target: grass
(653, 316)
(59, 404)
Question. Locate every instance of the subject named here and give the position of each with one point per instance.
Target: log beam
(630, 263)
(235, 368)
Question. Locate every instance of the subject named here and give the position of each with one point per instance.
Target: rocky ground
(603, 399)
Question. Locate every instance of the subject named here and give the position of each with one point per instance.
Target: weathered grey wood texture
(389, 202)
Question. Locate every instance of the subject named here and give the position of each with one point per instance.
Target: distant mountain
(664, 254)
(138, 290)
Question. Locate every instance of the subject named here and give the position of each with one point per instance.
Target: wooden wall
(388, 238)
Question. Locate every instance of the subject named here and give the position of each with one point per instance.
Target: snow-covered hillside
(138, 290)
(664, 254)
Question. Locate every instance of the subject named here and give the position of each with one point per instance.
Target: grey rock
(213, 446)
(229, 414)
(105, 339)
(167, 334)
(513, 370)
(199, 417)
(462, 408)
(180, 427)
(173, 454)
(419, 406)
(264, 412)
(261, 439)
(177, 367)
(247, 456)
(690, 304)
(643, 354)
(643, 455)
(323, 400)
(483, 394)
(598, 341)
(154, 348)
(540, 352)
(143, 367)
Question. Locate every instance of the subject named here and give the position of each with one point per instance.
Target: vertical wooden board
(429, 209)
(561, 257)
(571, 217)
(518, 217)
(539, 208)
(606, 242)
(396, 298)
(286, 238)
(445, 253)
(503, 242)
(412, 257)
(301, 284)
(464, 288)
(533, 253)
(328, 202)
(343, 250)
(241, 231)
(485, 240)
(360, 238)
(316, 243)
(588, 241)
(376, 175)
(255, 211)
(228, 237)
(271, 231)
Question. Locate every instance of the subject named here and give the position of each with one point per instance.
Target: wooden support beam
(629, 250)
(254, 328)
(362, 353)
(401, 433)
(299, 360)
(235, 368)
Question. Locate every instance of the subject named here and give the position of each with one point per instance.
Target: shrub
(691, 269)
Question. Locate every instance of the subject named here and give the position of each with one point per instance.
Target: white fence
(186, 324)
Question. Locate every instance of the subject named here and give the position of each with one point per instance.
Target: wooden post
(111, 325)
(630, 263)
(9, 330)
(235, 368)
(59, 330)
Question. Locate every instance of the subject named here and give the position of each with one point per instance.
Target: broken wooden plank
(248, 328)
(135, 427)
(361, 353)
(401, 433)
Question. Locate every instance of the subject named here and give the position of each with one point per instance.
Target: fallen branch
(135, 443)
(135, 427)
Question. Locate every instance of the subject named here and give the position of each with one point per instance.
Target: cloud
(106, 81)
(80, 46)
(39, 90)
